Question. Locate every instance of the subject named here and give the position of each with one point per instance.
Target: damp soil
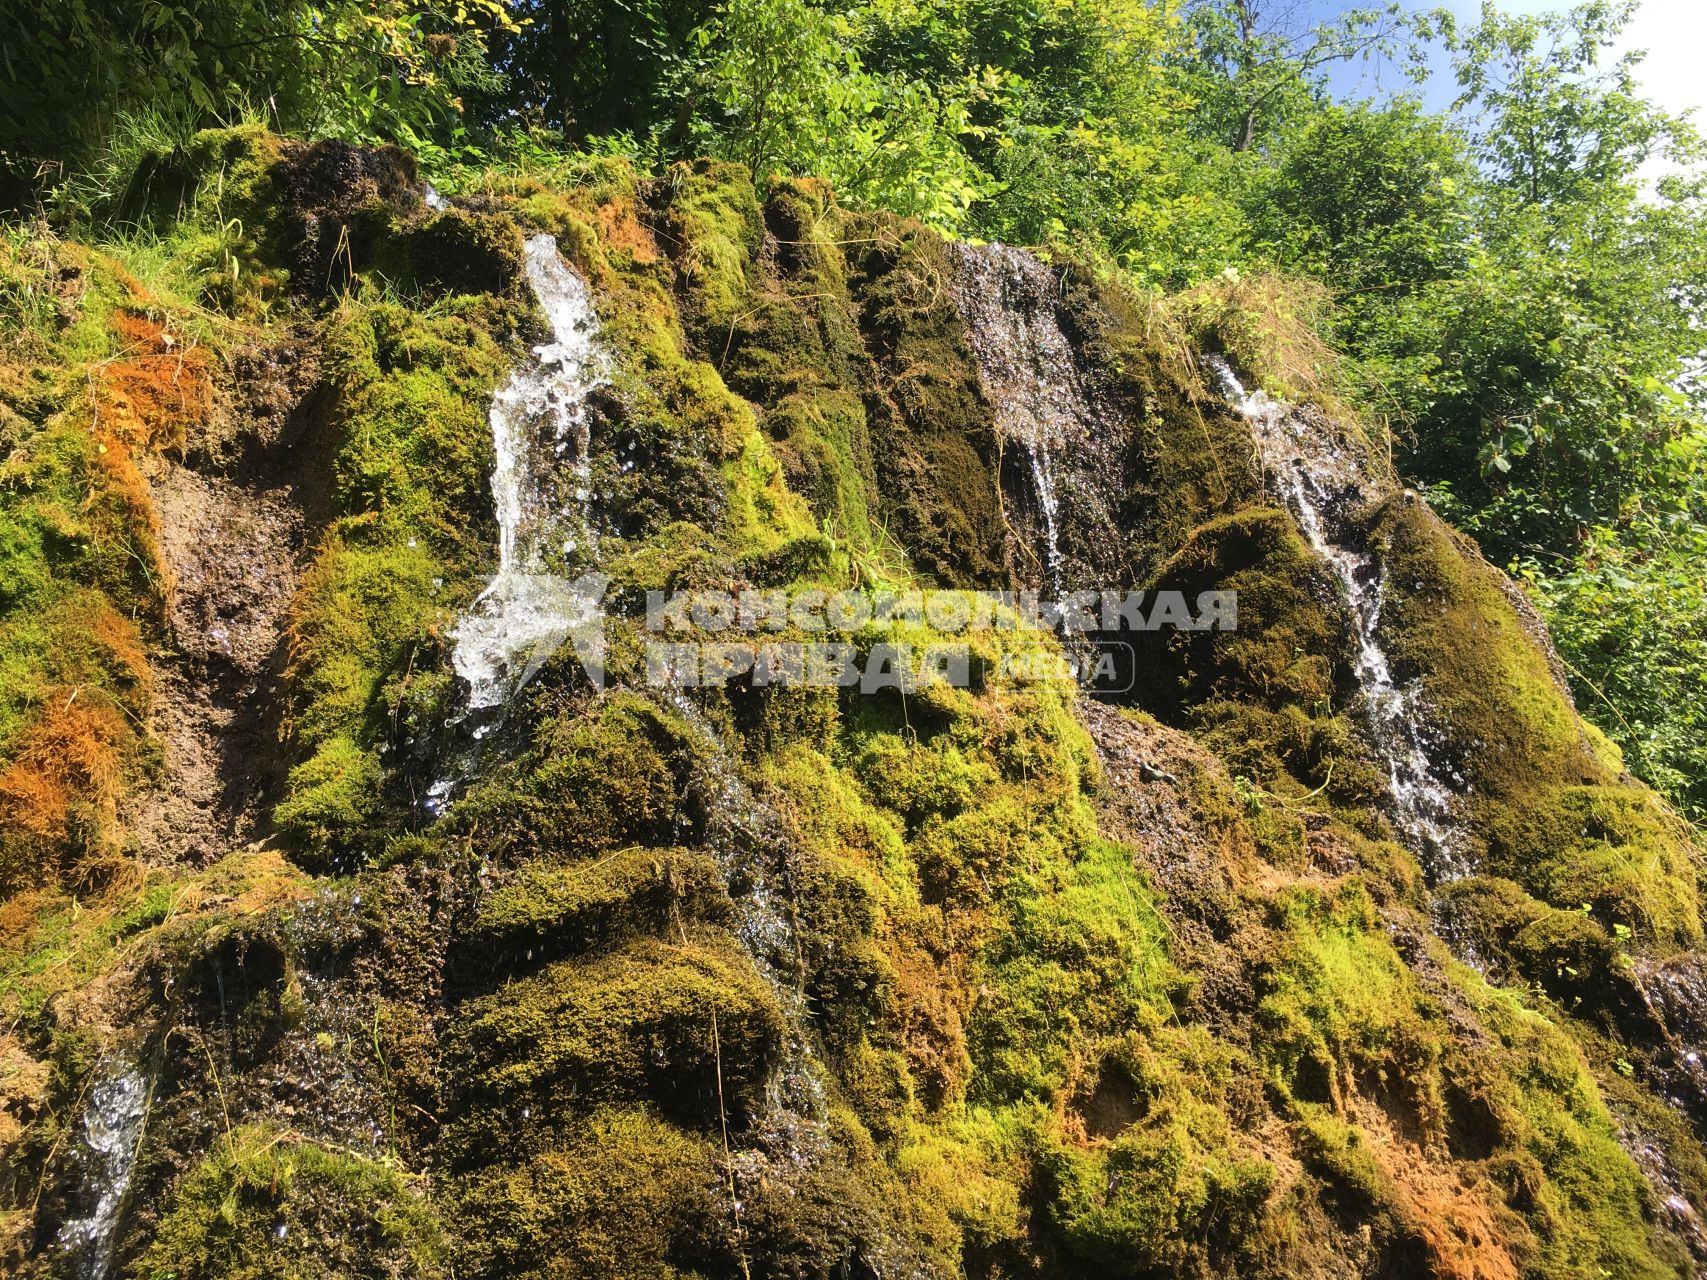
(237, 522)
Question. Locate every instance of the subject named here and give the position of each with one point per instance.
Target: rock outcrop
(308, 971)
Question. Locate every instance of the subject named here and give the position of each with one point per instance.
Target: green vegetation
(273, 1204)
(986, 982)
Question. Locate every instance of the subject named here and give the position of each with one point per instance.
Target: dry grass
(1270, 326)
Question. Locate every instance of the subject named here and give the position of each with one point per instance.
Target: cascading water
(1317, 480)
(746, 837)
(541, 487)
(1007, 299)
(112, 1130)
(740, 832)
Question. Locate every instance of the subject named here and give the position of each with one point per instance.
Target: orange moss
(620, 228)
(1461, 1231)
(69, 759)
(145, 400)
(125, 482)
(120, 637)
(19, 914)
(157, 389)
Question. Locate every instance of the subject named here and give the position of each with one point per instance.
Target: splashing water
(542, 489)
(436, 202)
(112, 1130)
(1315, 479)
(1025, 364)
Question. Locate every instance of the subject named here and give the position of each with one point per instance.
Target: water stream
(541, 488)
(742, 834)
(111, 1132)
(1318, 481)
(751, 846)
(1026, 366)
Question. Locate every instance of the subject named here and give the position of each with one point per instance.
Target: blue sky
(1673, 31)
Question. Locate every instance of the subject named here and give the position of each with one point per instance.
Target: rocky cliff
(352, 928)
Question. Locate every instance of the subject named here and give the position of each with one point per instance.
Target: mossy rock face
(1542, 805)
(577, 907)
(1290, 647)
(333, 205)
(932, 436)
(636, 1023)
(627, 1196)
(1612, 851)
(765, 982)
(1450, 622)
(1190, 458)
(613, 775)
(460, 252)
(269, 1204)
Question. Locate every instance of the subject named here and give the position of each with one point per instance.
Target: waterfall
(112, 1131)
(542, 490)
(1043, 480)
(740, 830)
(794, 1135)
(1316, 479)
(1026, 367)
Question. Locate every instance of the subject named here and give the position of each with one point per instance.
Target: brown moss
(157, 389)
(60, 792)
(935, 450)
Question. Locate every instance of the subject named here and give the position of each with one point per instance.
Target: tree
(1258, 67)
(361, 69)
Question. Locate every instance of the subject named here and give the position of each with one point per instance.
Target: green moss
(821, 443)
(408, 485)
(272, 1204)
(963, 1182)
(1449, 622)
(413, 450)
(1543, 805)
(461, 252)
(1273, 696)
(601, 779)
(334, 801)
(1339, 1152)
(580, 906)
(1587, 1207)
(633, 1023)
(932, 438)
(1288, 646)
(834, 819)
(714, 214)
(1616, 850)
(627, 1198)
(1168, 1195)
(69, 945)
(1079, 958)
(1339, 1002)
